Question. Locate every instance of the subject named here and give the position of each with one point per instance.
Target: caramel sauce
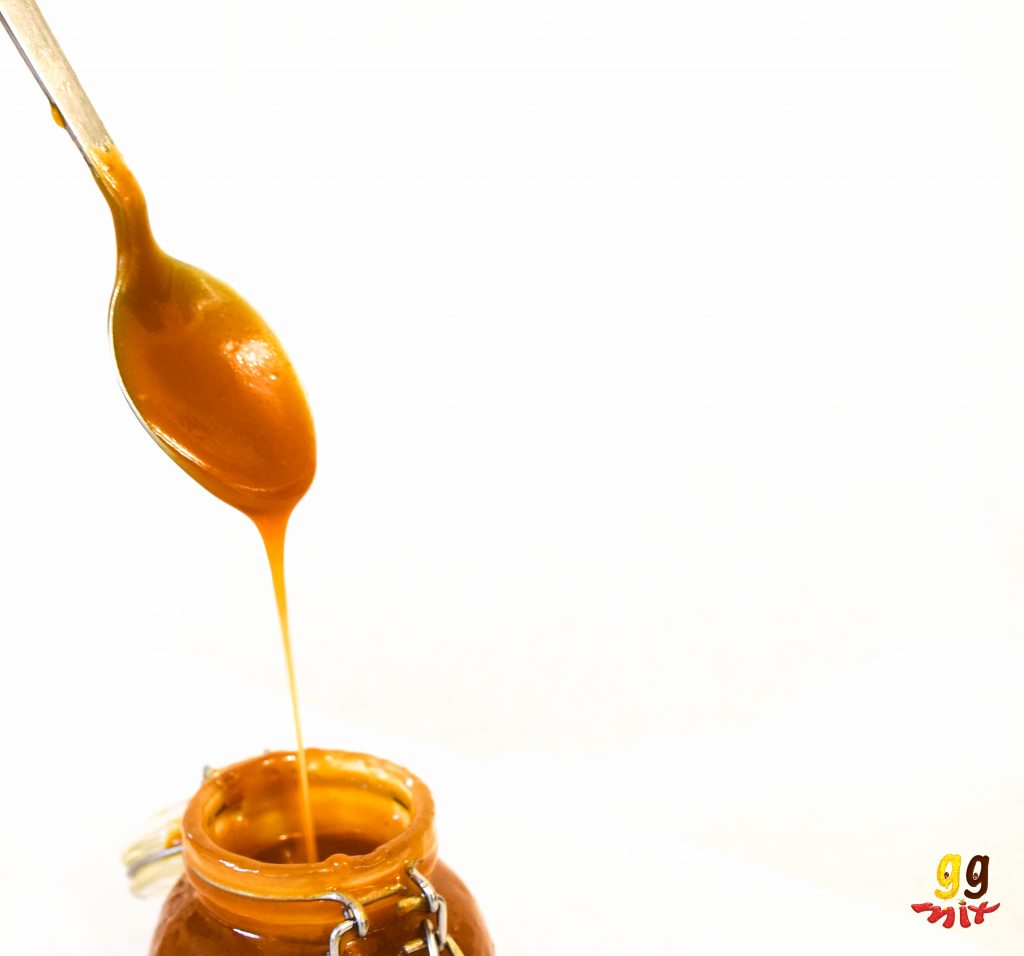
(209, 379)
(290, 847)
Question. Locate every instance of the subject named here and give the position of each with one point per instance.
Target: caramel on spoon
(202, 371)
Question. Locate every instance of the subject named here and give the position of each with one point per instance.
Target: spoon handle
(24, 22)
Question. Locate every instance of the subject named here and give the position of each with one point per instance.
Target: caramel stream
(273, 533)
(209, 379)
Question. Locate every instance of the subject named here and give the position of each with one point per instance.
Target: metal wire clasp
(355, 919)
(435, 939)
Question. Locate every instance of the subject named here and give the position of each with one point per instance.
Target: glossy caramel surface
(212, 384)
(202, 370)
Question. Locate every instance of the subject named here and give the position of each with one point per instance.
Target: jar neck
(374, 820)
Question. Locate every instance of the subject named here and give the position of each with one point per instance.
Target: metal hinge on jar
(154, 862)
(435, 939)
(355, 919)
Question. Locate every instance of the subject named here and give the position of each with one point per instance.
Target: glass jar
(379, 890)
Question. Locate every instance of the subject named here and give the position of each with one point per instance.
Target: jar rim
(215, 870)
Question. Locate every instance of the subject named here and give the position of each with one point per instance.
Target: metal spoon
(203, 372)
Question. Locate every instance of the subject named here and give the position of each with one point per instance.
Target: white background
(668, 367)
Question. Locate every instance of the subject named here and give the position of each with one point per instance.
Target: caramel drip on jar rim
(210, 381)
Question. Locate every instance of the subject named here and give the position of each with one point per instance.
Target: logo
(967, 914)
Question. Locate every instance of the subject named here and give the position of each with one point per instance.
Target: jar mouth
(242, 829)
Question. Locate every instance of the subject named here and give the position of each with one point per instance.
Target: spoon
(202, 371)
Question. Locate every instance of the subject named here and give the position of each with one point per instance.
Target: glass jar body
(187, 928)
(230, 904)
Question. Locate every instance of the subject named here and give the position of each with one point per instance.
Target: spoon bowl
(203, 372)
(210, 381)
